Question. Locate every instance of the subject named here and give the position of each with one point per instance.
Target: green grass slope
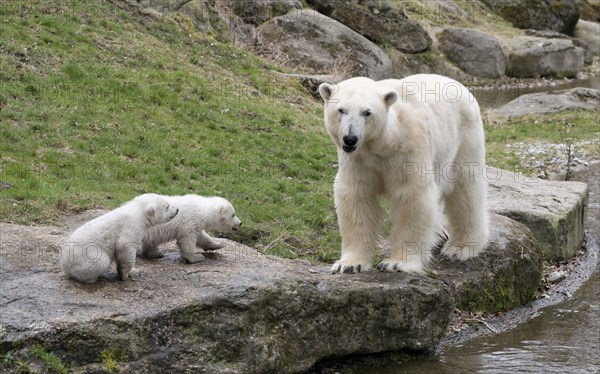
(98, 105)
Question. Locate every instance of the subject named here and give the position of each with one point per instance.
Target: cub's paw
(154, 254)
(396, 266)
(193, 258)
(350, 267)
(213, 246)
(134, 273)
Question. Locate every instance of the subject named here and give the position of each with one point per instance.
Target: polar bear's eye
(366, 113)
(341, 111)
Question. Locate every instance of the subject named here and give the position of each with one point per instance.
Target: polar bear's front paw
(350, 267)
(457, 252)
(213, 246)
(396, 266)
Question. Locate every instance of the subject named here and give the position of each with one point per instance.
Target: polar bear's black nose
(350, 140)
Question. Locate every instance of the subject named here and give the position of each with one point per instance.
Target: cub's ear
(327, 90)
(390, 98)
(150, 210)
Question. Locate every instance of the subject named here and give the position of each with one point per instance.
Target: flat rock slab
(553, 211)
(242, 311)
(552, 101)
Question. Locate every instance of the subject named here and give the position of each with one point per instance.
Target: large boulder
(553, 211)
(475, 52)
(256, 12)
(238, 312)
(242, 311)
(487, 282)
(589, 32)
(309, 41)
(589, 9)
(552, 101)
(557, 15)
(379, 21)
(536, 57)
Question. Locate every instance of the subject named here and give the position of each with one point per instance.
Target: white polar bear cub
(417, 141)
(196, 214)
(114, 236)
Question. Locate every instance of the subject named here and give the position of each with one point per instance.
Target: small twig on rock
(484, 322)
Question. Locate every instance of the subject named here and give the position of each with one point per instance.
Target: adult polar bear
(416, 141)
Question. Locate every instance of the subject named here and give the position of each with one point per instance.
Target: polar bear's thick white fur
(115, 236)
(419, 142)
(196, 214)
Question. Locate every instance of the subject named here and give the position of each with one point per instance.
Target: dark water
(495, 98)
(564, 338)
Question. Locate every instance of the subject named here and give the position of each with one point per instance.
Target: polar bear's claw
(348, 268)
(395, 266)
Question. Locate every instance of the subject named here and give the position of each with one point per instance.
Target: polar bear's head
(156, 209)
(226, 219)
(355, 111)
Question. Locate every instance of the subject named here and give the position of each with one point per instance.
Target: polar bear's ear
(390, 98)
(150, 210)
(326, 90)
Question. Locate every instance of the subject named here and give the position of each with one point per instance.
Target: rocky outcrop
(311, 42)
(379, 21)
(475, 52)
(589, 32)
(478, 283)
(553, 211)
(557, 15)
(242, 311)
(537, 57)
(256, 12)
(589, 9)
(552, 101)
(202, 14)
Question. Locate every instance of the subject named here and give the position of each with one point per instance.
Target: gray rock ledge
(241, 311)
(553, 211)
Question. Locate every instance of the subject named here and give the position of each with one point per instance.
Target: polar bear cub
(196, 214)
(115, 236)
(415, 141)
